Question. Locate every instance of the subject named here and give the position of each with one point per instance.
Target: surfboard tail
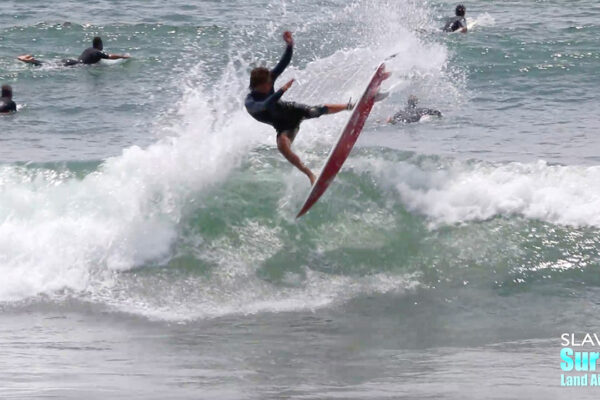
(341, 150)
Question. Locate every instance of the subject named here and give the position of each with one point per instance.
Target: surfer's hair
(6, 91)
(97, 43)
(460, 10)
(259, 76)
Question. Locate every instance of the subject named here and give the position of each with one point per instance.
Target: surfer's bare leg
(336, 108)
(29, 59)
(284, 145)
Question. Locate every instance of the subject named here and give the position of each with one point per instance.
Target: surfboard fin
(350, 105)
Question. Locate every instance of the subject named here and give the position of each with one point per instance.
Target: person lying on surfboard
(91, 55)
(412, 113)
(459, 22)
(263, 104)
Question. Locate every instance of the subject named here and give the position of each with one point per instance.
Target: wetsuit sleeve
(103, 55)
(12, 106)
(283, 63)
(448, 26)
(254, 106)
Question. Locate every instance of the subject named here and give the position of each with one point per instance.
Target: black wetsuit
(283, 116)
(92, 56)
(7, 105)
(89, 56)
(455, 24)
(413, 114)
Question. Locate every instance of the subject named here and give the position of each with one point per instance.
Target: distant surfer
(412, 113)
(263, 104)
(458, 22)
(91, 55)
(7, 105)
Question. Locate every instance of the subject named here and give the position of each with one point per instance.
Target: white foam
(60, 232)
(56, 231)
(459, 192)
(483, 20)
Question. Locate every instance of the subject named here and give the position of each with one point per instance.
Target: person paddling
(459, 22)
(412, 113)
(91, 55)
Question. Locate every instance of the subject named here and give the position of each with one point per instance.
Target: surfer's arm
(117, 56)
(283, 63)
(286, 58)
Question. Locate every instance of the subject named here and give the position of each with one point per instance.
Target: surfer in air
(458, 22)
(263, 104)
(91, 55)
(412, 113)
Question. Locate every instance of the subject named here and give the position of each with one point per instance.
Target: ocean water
(148, 245)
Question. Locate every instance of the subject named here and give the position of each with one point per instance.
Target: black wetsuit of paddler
(282, 115)
(455, 23)
(412, 114)
(89, 56)
(7, 105)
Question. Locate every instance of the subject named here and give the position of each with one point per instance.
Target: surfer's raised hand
(287, 37)
(287, 85)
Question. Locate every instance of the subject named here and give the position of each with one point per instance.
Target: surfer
(7, 105)
(263, 104)
(412, 113)
(459, 22)
(91, 55)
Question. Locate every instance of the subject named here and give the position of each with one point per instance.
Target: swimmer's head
(97, 43)
(260, 80)
(6, 91)
(413, 101)
(460, 10)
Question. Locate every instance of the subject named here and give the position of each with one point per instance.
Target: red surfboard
(346, 141)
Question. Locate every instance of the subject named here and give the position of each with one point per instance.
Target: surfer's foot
(312, 178)
(29, 59)
(25, 58)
